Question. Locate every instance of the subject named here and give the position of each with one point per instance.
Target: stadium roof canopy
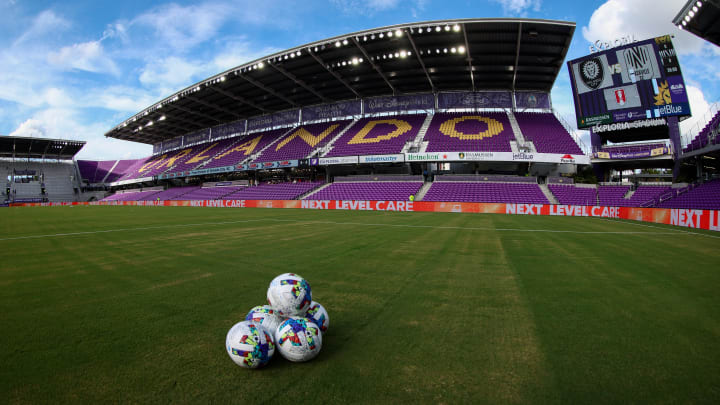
(468, 54)
(702, 18)
(38, 148)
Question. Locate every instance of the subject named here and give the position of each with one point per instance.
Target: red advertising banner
(688, 218)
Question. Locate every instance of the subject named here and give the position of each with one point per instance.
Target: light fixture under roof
(456, 28)
(162, 118)
(398, 33)
(337, 45)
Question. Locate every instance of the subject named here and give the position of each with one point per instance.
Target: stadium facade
(452, 110)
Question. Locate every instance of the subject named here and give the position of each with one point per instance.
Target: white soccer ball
(266, 316)
(318, 314)
(289, 294)
(249, 345)
(298, 339)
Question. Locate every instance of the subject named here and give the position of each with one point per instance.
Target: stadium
(469, 247)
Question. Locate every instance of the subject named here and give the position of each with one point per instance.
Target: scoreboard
(632, 82)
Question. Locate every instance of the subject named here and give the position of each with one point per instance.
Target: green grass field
(132, 304)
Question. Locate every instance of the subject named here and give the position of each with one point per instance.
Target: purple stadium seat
(301, 141)
(522, 193)
(379, 191)
(469, 132)
(546, 133)
(378, 136)
(705, 196)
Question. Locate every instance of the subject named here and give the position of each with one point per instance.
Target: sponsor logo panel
(383, 158)
(622, 97)
(638, 63)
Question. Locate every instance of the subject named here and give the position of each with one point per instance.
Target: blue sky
(75, 69)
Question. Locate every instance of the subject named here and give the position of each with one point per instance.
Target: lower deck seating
(528, 193)
(280, 191)
(377, 191)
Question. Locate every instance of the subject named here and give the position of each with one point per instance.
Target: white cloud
(372, 6)
(519, 7)
(640, 18)
(45, 23)
(61, 123)
(88, 56)
(699, 108)
(172, 72)
(183, 28)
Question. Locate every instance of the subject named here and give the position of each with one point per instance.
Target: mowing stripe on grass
(144, 228)
(631, 222)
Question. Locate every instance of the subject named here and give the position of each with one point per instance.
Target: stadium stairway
(313, 191)
(109, 171)
(629, 194)
(519, 137)
(549, 195)
(327, 148)
(417, 143)
(259, 153)
(424, 189)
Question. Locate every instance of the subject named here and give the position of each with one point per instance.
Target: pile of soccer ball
(293, 323)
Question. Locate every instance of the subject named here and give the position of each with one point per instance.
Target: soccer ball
(298, 339)
(289, 294)
(249, 345)
(318, 314)
(266, 316)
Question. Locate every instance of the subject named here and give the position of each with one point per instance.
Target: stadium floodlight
(337, 45)
(372, 36)
(403, 54)
(149, 124)
(437, 29)
(162, 118)
(687, 18)
(344, 63)
(381, 35)
(695, 9)
(456, 28)
(461, 49)
(261, 65)
(222, 79)
(445, 50)
(390, 34)
(345, 41)
(437, 51)
(419, 30)
(684, 23)
(699, 3)
(447, 28)
(453, 50)
(398, 33)
(409, 53)
(298, 53)
(197, 88)
(691, 14)
(292, 55)
(354, 61)
(360, 60)
(364, 38)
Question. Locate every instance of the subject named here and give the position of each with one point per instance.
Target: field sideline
(132, 304)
